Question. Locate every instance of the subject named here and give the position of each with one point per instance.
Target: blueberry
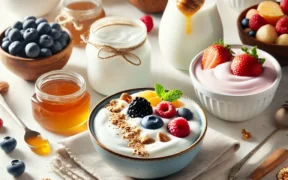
(30, 34)
(5, 39)
(15, 35)
(56, 26)
(185, 113)
(7, 31)
(252, 33)
(45, 41)
(56, 47)
(32, 50)
(65, 35)
(17, 25)
(44, 52)
(30, 23)
(8, 144)
(5, 45)
(15, 47)
(55, 34)
(152, 122)
(30, 17)
(63, 42)
(16, 168)
(245, 23)
(43, 28)
(40, 20)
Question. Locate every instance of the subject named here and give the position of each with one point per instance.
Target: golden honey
(61, 103)
(79, 15)
(39, 145)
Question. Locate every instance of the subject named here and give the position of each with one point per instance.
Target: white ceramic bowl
(24, 8)
(145, 168)
(240, 5)
(235, 107)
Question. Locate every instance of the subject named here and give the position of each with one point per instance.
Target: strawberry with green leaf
(216, 54)
(248, 64)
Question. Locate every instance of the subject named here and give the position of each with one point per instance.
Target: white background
(21, 91)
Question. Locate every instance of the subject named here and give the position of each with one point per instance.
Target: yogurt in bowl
(140, 147)
(231, 97)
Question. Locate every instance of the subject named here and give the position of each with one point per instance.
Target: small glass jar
(119, 55)
(78, 15)
(61, 103)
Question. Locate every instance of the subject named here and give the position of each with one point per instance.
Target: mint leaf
(172, 95)
(160, 90)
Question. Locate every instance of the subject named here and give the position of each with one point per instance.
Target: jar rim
(98, 4)
(60, 75)
(116, 20)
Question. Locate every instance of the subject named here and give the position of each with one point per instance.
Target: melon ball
(251, 13)
(267, 34)
(282, 40)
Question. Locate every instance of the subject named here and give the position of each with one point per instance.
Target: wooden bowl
(279, 52)
(30, 69)
(150, 6)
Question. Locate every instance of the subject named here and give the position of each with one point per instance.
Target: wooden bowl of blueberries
(265, 25)
(33, 47)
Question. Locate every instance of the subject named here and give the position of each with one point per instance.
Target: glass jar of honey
(78, 15)
(61, 103)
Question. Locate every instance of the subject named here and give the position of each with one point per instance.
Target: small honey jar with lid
(78, 15)
(61, 103)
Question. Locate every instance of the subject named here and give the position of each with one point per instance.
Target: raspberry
(256, 22)
(165, 109)
(1, 123)
(148, 21)
(179, 127)
(282, 25)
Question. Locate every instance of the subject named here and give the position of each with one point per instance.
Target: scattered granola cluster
(282, 174)
(245, 135)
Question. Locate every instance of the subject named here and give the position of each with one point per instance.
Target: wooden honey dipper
(189, 8)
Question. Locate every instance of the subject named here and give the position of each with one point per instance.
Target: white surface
(21, 91)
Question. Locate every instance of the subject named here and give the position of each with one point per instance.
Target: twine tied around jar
(65, 17)
(123, 52)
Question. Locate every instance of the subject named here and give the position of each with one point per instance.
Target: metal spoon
(28, 132)
(281, 122)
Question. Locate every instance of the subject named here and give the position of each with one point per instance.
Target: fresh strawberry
(165, 109)
(179, 127)
(282, 25)
(284, 6)
(256, 22)
(1, 123)
(148, 21)
(216, 54)
(248, 64)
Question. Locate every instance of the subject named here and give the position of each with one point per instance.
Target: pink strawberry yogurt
(221, 80)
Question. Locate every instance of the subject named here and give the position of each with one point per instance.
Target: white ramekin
(240, 5)
(235, 107)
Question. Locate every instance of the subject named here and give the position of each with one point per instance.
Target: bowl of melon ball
(33, 46)
(265, 25)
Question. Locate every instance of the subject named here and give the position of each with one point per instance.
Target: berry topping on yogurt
(248, 64)
(130, 126)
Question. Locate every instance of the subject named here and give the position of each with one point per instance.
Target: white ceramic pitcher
(176, 45)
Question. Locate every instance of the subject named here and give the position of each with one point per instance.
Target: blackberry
(139, 107)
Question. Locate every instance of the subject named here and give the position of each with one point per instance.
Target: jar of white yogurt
(119, 54)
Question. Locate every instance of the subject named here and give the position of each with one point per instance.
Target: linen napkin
(77, 159)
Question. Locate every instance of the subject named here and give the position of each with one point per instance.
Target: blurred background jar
(78, 15)
(118, 54)
(182, 36)
(61, 103)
